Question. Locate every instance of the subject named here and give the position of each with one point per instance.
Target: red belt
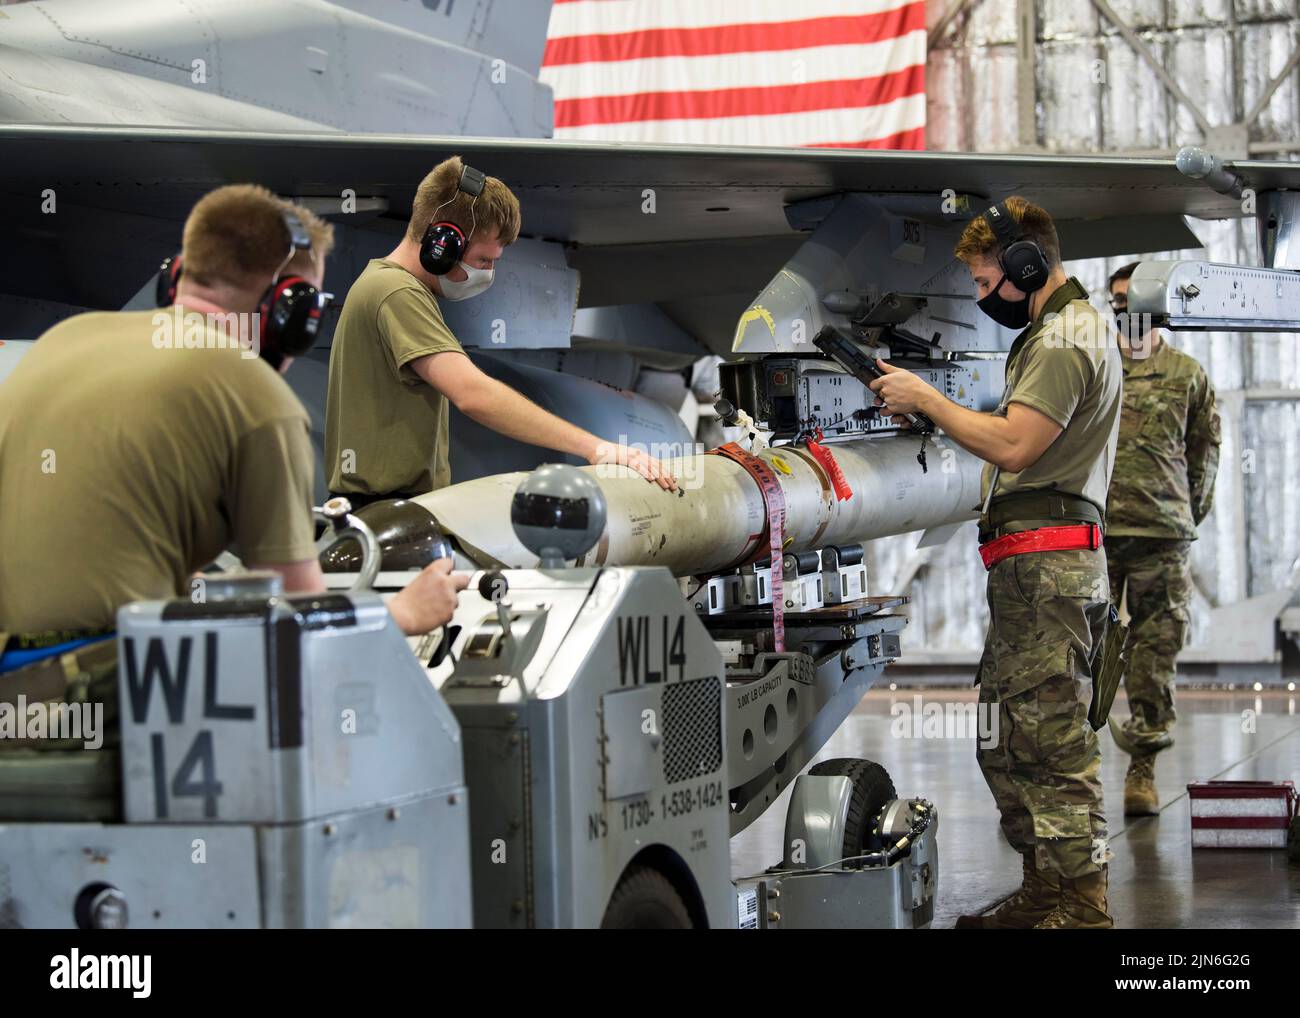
(1077, 537)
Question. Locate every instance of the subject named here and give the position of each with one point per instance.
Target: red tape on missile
(774, 527)
(827, 459)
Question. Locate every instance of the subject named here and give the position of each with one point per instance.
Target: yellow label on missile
(755, 313)
(782, 466)
(759, 313)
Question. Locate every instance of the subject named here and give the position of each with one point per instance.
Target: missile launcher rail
(794, 396)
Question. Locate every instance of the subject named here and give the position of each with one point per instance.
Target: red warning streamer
(774, 501)
(826, 458)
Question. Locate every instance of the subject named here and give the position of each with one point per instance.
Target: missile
(717, 518)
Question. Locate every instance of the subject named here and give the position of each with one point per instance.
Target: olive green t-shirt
(1067, 365)
(128, 460)
(385, 426)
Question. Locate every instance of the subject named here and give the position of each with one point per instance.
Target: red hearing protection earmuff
(288, 312)
(441, 248)
(444, 243)
(289, 317)
(169, 277)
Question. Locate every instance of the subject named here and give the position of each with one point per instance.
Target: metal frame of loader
(288, 761)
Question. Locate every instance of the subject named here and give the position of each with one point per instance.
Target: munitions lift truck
(575, 749)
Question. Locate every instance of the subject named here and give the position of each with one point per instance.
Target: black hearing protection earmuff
(288, 312)
(169, 278)
(289, 317)
(444, 243)
(1022, 260)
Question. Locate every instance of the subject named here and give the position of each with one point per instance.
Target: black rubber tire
(872, 788)
(645, 900)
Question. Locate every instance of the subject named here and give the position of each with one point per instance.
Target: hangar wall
(1093, 93)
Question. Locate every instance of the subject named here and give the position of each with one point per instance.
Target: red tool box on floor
(1241, 814)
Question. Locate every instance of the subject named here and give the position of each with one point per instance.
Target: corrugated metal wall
(1095, 94)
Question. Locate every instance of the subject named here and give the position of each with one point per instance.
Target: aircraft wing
(702, 229)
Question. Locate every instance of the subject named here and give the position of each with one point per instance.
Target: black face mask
(1011, 314)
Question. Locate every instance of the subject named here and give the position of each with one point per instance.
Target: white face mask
(476, 281)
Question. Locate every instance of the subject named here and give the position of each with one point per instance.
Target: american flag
(829, 73)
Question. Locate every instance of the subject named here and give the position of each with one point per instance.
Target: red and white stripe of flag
(832, 73)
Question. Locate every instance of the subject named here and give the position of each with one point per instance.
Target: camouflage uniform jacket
(1163, 483)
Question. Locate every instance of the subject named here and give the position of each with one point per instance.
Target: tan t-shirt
(385, 427)
(1067, 365)
(128, 461)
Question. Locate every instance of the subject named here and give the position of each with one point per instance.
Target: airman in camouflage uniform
(1044, 772)
(1162, 488)
(1053, 442)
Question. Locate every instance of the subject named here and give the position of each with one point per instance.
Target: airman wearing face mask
(1050, 449)
(1160, 492)
(475, 282)
(396, 367)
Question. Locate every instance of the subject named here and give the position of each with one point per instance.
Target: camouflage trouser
(51, 778)
(1046, 609)
(1159, 577)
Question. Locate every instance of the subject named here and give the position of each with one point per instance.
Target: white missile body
(717, 519)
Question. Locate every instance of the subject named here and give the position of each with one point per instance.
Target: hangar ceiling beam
(1142, 50)
(1273, 86)
(1027, 73)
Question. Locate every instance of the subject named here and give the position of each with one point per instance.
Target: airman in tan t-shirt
(125, 467)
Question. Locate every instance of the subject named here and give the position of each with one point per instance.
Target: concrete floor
(1156, 879)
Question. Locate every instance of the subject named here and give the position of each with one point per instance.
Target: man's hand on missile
(900, 392)
(643, 463)
(428, 601)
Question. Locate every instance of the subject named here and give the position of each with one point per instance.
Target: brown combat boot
(1082, 907)
(1140, 798)
(1039, 894)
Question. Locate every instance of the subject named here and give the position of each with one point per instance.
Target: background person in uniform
(1050, 449)
(1162, 489)
(395, 364)
(127, 461)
